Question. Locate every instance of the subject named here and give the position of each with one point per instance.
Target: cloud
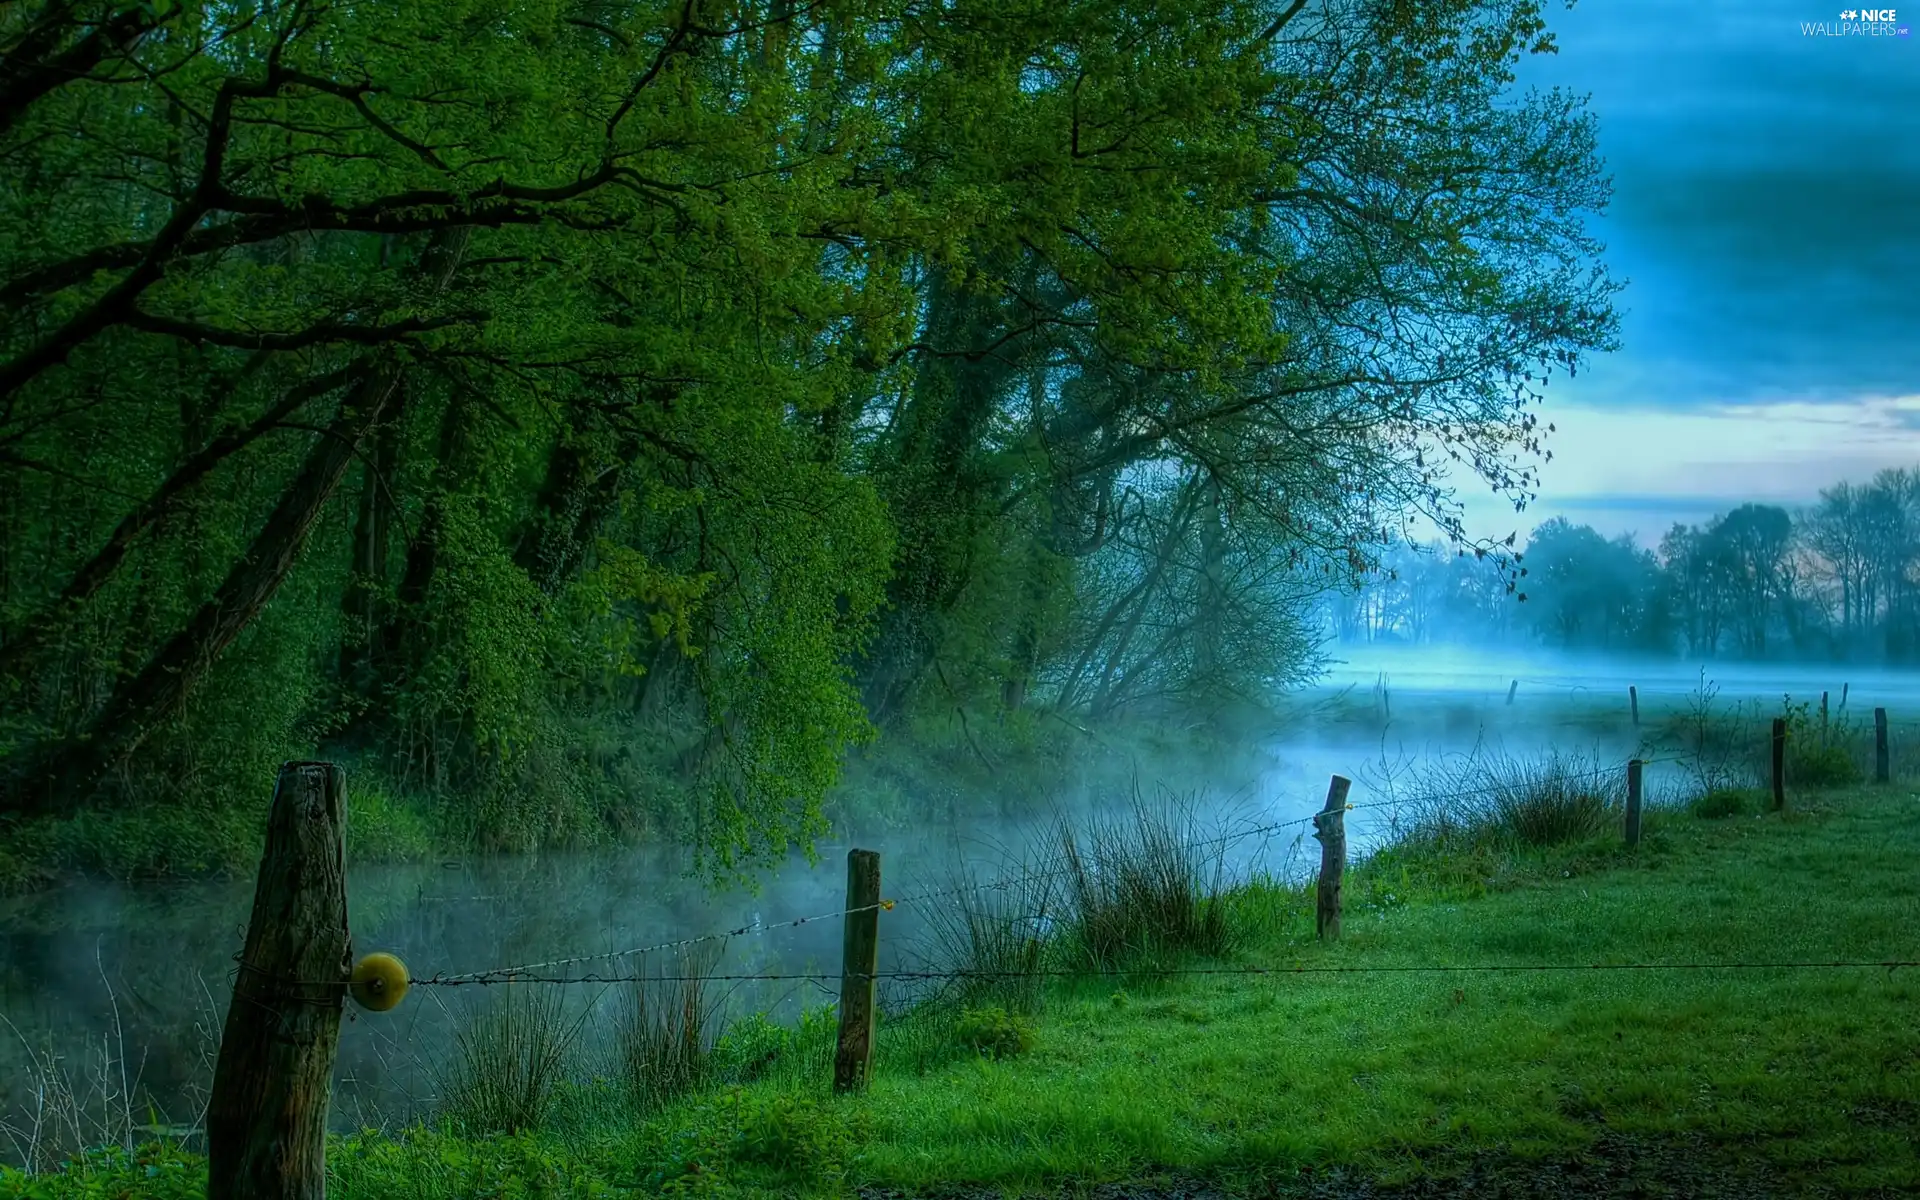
(1639, 469)
(1766, 187)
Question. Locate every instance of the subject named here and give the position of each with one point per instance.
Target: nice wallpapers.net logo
(1860, 22)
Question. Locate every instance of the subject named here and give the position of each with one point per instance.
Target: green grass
(1802, 1076)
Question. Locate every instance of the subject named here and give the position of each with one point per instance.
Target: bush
(750, 1048)
(741, 1137)
(995, 938)
(994, 1032)
(1820, 753)
(1721, 803)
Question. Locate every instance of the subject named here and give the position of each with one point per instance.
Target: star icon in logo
(1848, 15)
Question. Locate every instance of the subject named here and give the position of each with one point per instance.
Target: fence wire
(1888, 965)
(531, 972)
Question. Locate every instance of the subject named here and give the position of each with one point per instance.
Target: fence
(267, 1116)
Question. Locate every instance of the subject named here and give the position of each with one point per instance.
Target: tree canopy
(588, 411)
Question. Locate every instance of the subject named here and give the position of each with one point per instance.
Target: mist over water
(154, 962)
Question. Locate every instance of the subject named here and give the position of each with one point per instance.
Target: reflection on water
(154, 961)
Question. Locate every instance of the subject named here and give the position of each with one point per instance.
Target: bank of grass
(1386, 1076)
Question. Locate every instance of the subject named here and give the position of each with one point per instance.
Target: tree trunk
(935, 486)
(372, 549)
(581, 490)
(99, 570)
(138, 707)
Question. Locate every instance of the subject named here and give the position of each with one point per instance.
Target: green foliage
(994, 1032)
(1145, 887)
(1728, 802)
(996, 939)
(1492, 801)
(508, 1061)
(751, 1047)
(743, 1137)
(667, 1032)
(152, 1171)
(1820, 751)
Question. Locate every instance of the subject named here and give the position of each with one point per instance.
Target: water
(142, 974)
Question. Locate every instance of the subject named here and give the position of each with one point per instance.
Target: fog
(99, 972)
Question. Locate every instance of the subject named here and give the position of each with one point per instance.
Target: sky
(1766, 216)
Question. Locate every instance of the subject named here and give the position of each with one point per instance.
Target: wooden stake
(1823, 712)
(860, 959)
(1330, 826)
(267, 1115)
(1779, 764)
(1511, 690)
(1633, 802)
(1633, 702)
(1881, 773)
(1843, 696)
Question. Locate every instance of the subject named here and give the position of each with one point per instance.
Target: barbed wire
(1889, 965)
(1025, 879)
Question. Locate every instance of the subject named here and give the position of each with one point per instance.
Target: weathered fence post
(1880, 767)
(1843, 696)
(267, 1114)
(1633, 702)
(1779, 764)
(1633, 801)
(860, 959)
(1330, 826)
(1511, 690)
(1823, 714)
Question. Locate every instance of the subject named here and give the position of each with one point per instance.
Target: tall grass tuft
(668, 1030)
(1145, 886)
(996, 938)
(508, 1063)
(1505, 802)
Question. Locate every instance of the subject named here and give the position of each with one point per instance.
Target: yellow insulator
(379, 982)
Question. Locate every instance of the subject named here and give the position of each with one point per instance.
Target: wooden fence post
(1881, 773)
(1823, 714)
(1633, 701)
(1633, 801)
(1330, 826)
(860, 960)
(1843, 696)
(1511, 690)
(267, 1114)
(1779, 764)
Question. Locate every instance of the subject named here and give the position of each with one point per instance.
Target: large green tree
(591, 412)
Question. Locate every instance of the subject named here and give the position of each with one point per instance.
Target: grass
(507, 1065)
(1388, 1074)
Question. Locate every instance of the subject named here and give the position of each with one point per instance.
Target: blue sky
(1766, 214)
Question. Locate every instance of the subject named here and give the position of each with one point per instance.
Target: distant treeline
(1839, 580)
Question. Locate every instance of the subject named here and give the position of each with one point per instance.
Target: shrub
(750, 1048)
(1727, 802)
(995, 939)
(773, 1136)
(994, 1032)
(1819, 753)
